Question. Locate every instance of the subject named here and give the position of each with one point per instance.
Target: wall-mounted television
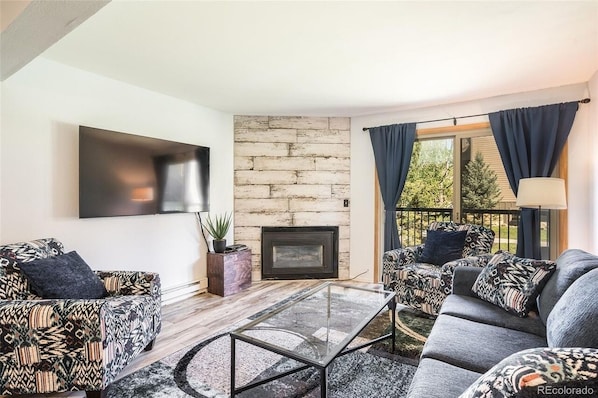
(125, 175)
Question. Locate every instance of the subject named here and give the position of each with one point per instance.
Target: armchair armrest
(448, 269)
(397, 258)
(472, 261)
(128, 283)
(463, 280)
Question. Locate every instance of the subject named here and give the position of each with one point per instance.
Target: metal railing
(502, 222)
(413, 224)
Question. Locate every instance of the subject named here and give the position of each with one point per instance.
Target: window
(459, 176)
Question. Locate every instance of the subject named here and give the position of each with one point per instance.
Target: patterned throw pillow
(513, 283)
(540, 372)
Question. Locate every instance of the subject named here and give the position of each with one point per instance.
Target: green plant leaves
(218, 226)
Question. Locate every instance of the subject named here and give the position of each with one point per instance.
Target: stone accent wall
(291, 171)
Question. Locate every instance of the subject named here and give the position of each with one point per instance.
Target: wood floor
(191, 320)
(194, 319)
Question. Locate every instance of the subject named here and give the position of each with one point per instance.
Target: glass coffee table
(314, 329)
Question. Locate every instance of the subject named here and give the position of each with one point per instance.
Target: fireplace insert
(300, 252)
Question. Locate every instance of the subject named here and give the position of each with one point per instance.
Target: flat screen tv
(125, 175)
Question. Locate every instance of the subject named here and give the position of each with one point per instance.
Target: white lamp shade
(544, 192)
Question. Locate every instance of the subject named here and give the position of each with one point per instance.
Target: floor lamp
(541, 193)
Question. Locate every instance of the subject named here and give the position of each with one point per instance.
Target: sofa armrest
(128, 283)
(45, 338)
(463, 280)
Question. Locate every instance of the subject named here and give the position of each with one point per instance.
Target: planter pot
(219, 245)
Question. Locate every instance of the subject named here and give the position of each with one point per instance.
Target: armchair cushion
(443, 246)
(513, 283)
(65, 276)
(539, 372)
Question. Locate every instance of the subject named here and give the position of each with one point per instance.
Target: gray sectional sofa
(478, 349)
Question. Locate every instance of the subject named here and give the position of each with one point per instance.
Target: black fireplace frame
(295, 236)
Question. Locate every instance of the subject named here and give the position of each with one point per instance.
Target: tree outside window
(477, 191)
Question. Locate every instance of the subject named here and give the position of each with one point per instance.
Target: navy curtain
(393, 146)
(530, 142)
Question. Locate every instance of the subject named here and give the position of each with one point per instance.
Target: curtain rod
(454, 119)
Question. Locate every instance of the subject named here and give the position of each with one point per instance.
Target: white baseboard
(181, 292)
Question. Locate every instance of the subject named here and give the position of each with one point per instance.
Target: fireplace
(299, 252)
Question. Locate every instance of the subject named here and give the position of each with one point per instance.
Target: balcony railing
(413, 224)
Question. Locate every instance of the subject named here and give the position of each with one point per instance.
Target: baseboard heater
(183, 291)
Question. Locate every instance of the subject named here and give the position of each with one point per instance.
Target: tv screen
(125, 175)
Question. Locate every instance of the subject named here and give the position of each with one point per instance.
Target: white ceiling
(30, 27)
(339, 58)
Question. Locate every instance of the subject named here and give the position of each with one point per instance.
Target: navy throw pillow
(443, 246)
(63, 277)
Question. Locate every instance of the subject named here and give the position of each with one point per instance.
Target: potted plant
(218, 228)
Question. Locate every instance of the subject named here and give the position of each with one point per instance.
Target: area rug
(203, 370)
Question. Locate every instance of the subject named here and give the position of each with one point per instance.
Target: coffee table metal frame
(322, 367)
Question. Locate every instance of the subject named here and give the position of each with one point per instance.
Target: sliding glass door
(460, 177)
(429, 190)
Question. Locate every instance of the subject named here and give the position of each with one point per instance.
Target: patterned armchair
(55, 345)
(424, 286)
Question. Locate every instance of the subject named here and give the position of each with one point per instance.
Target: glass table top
(315, 327)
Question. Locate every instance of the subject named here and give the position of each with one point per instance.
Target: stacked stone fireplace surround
(291, 171)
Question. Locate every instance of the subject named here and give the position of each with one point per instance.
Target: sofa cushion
(512, 282)
(443, 246)
(474, 309)
(540, 372)
(435, 378)
(573, 321)
(65, 276)
(570, 265)
(475, 346)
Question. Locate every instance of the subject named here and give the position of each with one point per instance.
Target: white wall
(593, 162)
(581, 234)
(42, 107)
